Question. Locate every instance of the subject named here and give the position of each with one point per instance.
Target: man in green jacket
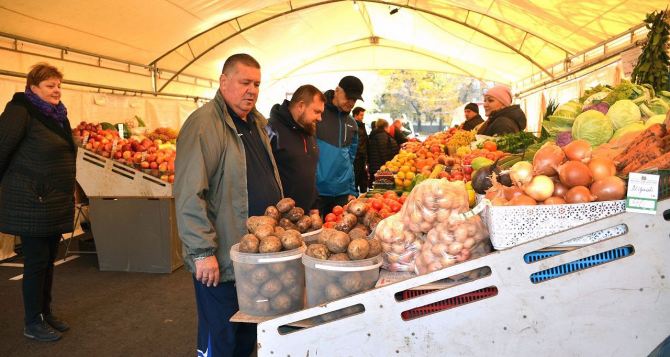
(224, 173)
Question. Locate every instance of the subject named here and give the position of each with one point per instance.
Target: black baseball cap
(352, 86)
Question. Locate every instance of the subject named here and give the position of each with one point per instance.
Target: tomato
(338, 210)
(395, 207)
(377, 204)
(390, 194)
(329, 225)
(385, 213)
(490, 146)
(331, 217)
(402, 199)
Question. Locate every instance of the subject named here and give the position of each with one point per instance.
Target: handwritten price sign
(642, 194)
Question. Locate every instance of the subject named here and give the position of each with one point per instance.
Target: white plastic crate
(512, 225)
(104, 177)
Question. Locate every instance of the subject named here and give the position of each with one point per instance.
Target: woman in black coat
(37, 180)
(381, 147)
(504, 118)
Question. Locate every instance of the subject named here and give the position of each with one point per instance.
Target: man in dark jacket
(382, 147)
(337, 137)
(292, 129)
(361, 161)
(472, 117)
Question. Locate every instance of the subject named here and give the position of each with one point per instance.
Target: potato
(277, 268)
(325, 235)
(271, 288)
(285, 205)
(358, 249)
(304, 223)
(340, 257)
(289, 278)
(264, 230)
(273, 212)
(254, 221)
(281, 303)
(352, 282)
(338, 242)
(357, 207)
(318, 251)
(287, 224)
(249, 244)
(317, 222)
(374, 222)
(279, 230)
(295, 214)
(375, 248)
(246, 290)
(261, 305)
(369, 217)
(334, 292)
(295, 292)
(259, 276)
(270, 244)
(291, 239)
(358, 233)
(347, 223)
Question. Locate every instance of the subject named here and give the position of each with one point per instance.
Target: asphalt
(110, 313)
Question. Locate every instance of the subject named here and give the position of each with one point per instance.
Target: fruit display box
(104, 177)
(513, 225)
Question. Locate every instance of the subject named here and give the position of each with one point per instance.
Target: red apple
(153, 165)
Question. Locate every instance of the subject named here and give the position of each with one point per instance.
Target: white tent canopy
(177, 47)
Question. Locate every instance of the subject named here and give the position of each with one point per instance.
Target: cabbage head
(635, 127)
(593, 126)
(622, 113)
(656, 119)
(658, 106)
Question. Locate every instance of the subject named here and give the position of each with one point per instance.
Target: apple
(137, 158)
(162, 167)
(164, 177)
(171, 178)
(153, 165)
(127, 154)
(118, 155)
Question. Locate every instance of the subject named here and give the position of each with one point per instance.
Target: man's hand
(207, 271)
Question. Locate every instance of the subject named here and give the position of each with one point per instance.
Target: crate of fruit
(103, 177)
(513, 225)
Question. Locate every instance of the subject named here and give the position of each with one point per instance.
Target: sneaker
(41, 331)
(57, 324)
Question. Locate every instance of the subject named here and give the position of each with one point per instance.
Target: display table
(7, 242)
(132, 216)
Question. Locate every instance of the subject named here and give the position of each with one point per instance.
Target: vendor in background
(472, 117)
(361, 161)
(292, 131)
(381, 147)
(37, 180)
(503, 117)
(224, 173)
(396, 132)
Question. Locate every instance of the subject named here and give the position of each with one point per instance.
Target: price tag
(120, 130)
(642, 194)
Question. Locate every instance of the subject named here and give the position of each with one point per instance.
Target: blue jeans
(217, 336)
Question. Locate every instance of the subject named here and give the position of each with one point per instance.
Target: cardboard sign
(642, 194)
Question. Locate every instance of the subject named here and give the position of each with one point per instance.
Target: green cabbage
(635, 127)
(656, 119)
(658, 106)
(592, 126)
(622, 113)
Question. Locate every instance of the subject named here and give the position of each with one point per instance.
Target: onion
(547, 159)
(553, 200)
(540, 188)
(511, 192)
(609, 189)
(522, 200)
(579, 150)
(579, 194)
(521, 173)
(601, 167)
(575, 173)
(559, 189)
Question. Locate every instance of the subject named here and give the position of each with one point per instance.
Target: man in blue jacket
(337, 138)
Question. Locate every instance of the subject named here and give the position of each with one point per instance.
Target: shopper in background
(292, 131)
(396, 132)
(37, 179)
(337, 137)
(503, 117)
(361, 161)
(472, 117)
(381, 147)
(224, 173)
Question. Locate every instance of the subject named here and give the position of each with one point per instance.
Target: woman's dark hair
(41, 72)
